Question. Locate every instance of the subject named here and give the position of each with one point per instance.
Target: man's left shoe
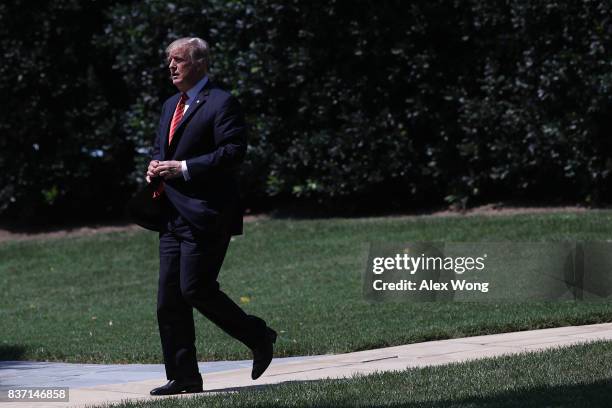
(179, 387)
(262, 355)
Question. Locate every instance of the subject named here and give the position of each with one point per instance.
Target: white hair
(198, 49)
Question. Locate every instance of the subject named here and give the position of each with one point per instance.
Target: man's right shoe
(262, 355)
(179, 387)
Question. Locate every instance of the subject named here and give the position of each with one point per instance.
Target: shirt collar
(191, 93)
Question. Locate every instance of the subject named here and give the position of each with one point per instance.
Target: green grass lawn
(577, 376)
(92, 299)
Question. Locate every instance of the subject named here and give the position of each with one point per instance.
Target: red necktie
(176, 119)
(178, 115)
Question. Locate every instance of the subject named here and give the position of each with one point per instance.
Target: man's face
(183, 72)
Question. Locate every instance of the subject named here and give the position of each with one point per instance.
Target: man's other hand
(169, 169)
(152, 171)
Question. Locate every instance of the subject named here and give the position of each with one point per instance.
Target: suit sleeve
(230, 139)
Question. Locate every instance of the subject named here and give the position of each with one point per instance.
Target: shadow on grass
(55, 227)
(596, 394)
(11, 352)
(386, 203)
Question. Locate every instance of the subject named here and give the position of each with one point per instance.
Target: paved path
(98, 384)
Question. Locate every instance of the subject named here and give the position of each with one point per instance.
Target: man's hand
(169, 169)
(152, 170)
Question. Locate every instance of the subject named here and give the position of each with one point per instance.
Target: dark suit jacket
(211, 137)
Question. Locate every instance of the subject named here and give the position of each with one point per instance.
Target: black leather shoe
(179, 387)
(262, 355)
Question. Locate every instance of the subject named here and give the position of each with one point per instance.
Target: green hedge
(411, 103)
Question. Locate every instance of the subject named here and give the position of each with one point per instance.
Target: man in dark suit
(201, 140)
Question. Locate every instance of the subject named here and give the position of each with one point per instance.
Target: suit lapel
(200, 100)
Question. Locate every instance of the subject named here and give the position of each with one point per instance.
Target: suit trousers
(190, 261)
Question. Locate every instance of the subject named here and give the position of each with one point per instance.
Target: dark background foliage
(359, 105)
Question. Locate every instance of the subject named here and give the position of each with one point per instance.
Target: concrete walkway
(92, 384)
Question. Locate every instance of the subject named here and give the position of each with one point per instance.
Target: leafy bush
(62, 154)
(410, 103)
